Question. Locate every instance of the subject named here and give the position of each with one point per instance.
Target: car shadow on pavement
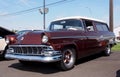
(50, 68)
(88, 58)
(118, 73)
(2, 59)
(43, 68)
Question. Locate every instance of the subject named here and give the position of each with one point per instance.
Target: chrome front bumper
(34, 58)
(45, 55)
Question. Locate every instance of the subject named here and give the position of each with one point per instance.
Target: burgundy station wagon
(67, 40)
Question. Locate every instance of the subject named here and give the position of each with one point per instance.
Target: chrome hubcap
(108, 49)
(68, 58)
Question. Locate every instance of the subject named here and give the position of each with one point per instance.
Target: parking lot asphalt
(93, 66)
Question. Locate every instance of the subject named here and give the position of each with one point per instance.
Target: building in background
(117, 33)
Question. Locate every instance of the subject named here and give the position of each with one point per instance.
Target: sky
(33, 19)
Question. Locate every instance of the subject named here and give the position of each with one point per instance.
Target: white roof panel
(80, 17)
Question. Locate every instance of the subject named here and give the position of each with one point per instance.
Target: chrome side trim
(69, 37)
(89, 37)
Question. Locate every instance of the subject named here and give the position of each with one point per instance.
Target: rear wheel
(68, 59)
(107, 51)
(2, 56)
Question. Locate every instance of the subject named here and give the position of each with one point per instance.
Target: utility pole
(44, 14)
(44, 11)
(111, 15)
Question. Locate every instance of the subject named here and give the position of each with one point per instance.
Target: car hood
(35, 37)
(32, 38)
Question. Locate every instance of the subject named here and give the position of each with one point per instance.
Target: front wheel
(107, 51)
(68, 59)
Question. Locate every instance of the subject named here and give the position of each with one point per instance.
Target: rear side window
(89, 25)
(101, 26)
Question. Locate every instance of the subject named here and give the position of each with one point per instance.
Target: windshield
(71, 24)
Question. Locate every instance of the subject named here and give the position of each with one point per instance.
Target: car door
(92, 41)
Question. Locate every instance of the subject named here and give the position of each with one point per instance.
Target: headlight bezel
(45, 39)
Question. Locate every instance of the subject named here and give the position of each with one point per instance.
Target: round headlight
(44, 39)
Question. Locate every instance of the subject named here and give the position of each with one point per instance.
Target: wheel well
(72, 46)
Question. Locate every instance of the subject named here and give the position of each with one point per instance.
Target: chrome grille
(30, 50)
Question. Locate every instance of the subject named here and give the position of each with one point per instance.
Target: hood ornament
(22, 38)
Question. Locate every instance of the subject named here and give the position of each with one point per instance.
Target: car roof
(79, 17)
